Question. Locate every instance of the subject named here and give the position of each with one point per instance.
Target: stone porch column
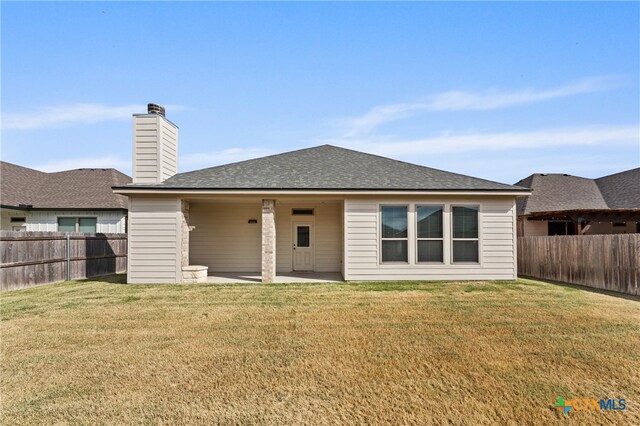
(185, 233)
(268, 241)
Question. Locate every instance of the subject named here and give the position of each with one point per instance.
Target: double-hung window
(429, 233)
(465, 233)
(394, 233)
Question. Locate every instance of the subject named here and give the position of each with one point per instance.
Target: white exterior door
(303, 256)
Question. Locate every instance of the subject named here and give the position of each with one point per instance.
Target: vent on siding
(302, 212)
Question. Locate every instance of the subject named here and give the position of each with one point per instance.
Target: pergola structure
(583, 218)
(561, 204)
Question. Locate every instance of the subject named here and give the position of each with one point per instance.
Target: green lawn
(458, 353)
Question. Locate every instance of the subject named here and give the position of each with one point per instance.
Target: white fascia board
(182, 192)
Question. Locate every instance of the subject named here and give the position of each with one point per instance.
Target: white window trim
(418, 239)
(381, 238)
(412, 234)
(478, 239)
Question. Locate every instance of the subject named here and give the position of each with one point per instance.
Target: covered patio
(275, 240)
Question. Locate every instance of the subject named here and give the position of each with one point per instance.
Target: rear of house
(317, 210)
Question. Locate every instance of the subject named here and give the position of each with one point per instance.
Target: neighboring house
(562, 204)
(321, 209)
(74, 200)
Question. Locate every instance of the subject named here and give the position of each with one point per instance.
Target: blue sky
(495, 90)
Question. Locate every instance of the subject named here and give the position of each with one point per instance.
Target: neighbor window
(429, 233)
(465, 233)
(67, 224)
(561, 228)
(394, 233)
(77, 224)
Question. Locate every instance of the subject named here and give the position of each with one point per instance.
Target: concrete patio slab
(293, 277)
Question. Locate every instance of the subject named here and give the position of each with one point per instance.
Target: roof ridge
(618, 173)
(23, 167)
(611, 199)
(416, 165)
(63, 171)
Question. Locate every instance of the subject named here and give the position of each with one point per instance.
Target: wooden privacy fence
(31, 258)
(608, 262)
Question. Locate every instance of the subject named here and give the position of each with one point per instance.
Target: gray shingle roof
(327, 167)
(556, 192)
(71, 189)
(621, 190)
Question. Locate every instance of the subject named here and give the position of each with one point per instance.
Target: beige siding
(145, 149)
(343, 222)
(154, 240)
(224, 241)
(168, 149)
(284, 238)
(497, 242)
(535, 228)
(155, 149)
(327, 221)
(599, 228)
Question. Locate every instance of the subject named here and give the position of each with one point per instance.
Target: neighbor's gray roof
(556, 192)
(327, 167)
(71, 189)
(621, 190)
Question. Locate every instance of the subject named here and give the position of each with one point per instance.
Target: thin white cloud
(187, 161)
(104, 162)
(508, 168)
(451, 142)
(378, 116)
(457, 100)
(72, 114)
(494, 99)
(225, 156)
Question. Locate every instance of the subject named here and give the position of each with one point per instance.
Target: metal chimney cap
(155, 109)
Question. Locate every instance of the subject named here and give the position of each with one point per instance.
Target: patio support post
(185, 232)
(268, 241)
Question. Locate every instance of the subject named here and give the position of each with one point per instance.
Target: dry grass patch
(427, 353)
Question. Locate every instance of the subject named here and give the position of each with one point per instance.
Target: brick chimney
(155, 147)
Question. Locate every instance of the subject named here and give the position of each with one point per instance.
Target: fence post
(68, 257)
